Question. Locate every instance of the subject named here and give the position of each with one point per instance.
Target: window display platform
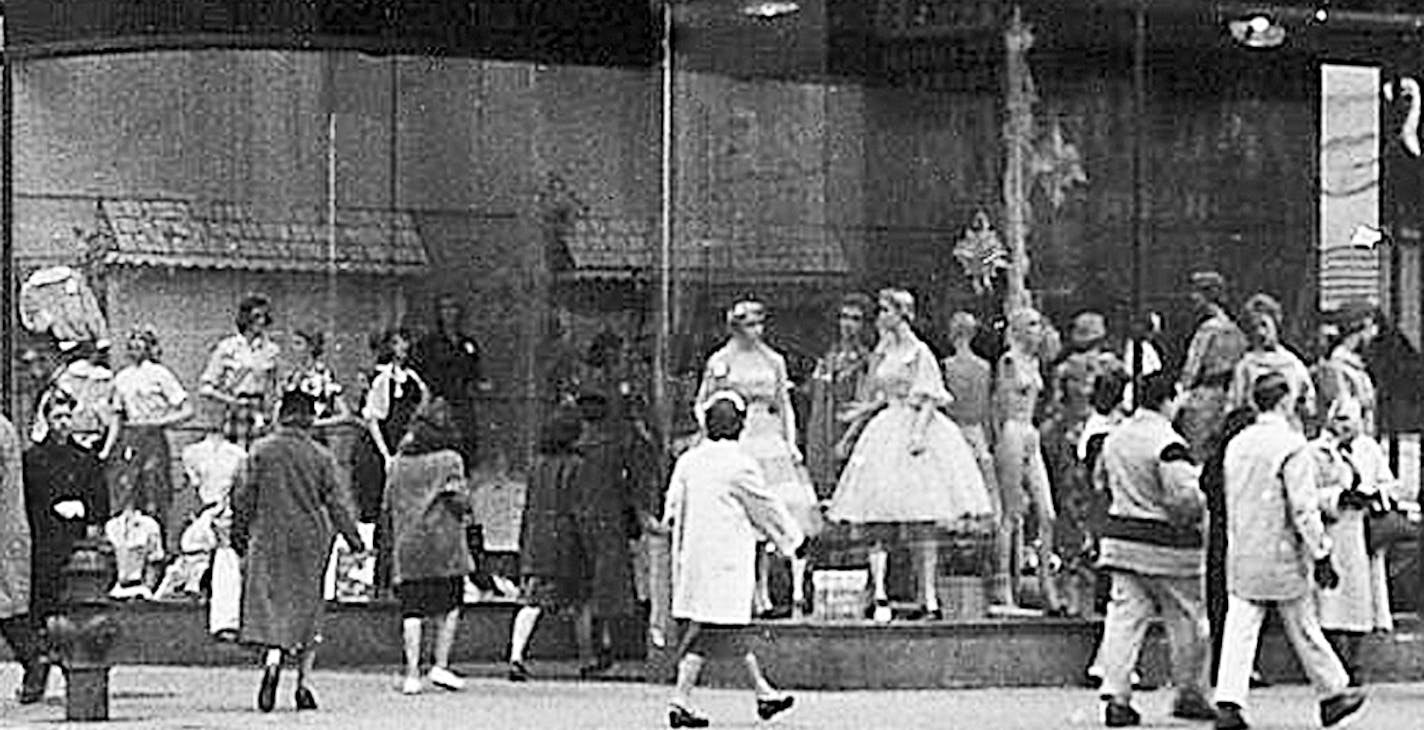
(800, 655)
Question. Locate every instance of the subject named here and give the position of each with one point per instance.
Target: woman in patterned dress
(911, 474)
(749, 367)
(314, 377)
(242, 371)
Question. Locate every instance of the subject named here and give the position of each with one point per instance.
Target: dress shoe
(770, 707)
(1121, 714)
(305, 699)
(1192, 706)
(679, 716)
(1335, 709)
(1259, 680)
(267, 691)
(1228, 717)
(518, 672)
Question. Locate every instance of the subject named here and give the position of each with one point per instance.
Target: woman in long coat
(428, 502)
(1354, 478)
(19, 629)
(717, 509)
(287, 507)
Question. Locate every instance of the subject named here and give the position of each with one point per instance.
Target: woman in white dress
(911, 473)
(750, 368)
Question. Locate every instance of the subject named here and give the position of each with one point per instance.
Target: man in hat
(1211, 359)
(1277, 546)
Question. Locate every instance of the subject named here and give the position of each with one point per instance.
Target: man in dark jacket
(65, 495)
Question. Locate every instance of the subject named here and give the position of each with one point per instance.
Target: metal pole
(331, 298)
(663, 294)
(1139, 208)
(1389, 223)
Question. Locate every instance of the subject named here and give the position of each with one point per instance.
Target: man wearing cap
(1277, 546)
(1211, 359)
(1153, 547)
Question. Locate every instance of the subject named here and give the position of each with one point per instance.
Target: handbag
(1384, 528)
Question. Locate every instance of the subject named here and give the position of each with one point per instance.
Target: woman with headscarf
(242, 371)
(833, 386)
(1355, 479)
(1023, 475)
(911, 475)
(718, 509)
(756, 372)
(286, 510)
(428, 501)
(1266, 354)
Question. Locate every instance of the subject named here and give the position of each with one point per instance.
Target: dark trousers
(1347, 646)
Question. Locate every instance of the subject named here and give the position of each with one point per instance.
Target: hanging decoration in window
(981, 253)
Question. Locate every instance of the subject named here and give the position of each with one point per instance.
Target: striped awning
(222, 235)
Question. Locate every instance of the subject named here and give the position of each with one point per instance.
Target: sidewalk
(170, 698)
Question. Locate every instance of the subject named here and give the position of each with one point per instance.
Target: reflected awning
(223, 235)
(627, 249)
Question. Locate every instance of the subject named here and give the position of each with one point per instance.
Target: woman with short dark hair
(429, 504)
(718, 507)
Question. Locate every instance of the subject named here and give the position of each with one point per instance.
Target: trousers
(1136, 598)
(1302, 627)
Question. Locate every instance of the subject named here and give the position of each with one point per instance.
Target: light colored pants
(1243, 629)
(1136, 598)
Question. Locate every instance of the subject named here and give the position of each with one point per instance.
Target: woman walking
(748, 366)
(427, 499)
(286, 507)
(910, 474)
(717, 509)
(1354, 480)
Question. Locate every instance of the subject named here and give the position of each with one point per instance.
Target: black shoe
(1341, 706)
(1192, 706)
(767, 709)
(1228, 717)
(305, 699)
(1121, 714)
(267, 691)
(32, 687)
(518, 672)
(679, 716)
(1259, 680)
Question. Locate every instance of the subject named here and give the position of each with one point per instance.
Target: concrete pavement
(174, 698)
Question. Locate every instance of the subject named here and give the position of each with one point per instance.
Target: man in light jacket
(1277, 545)
(718, 507)
(1152, 545)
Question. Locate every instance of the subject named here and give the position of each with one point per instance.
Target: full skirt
(884, 482)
